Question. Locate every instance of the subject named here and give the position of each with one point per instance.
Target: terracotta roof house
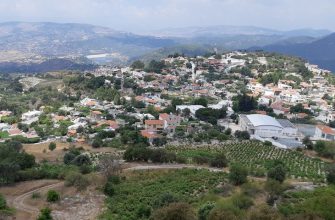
(154, 125)
(324, 132)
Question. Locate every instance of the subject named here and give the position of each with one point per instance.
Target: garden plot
(257, 157)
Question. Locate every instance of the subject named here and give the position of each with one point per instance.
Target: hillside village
(179, 98)
(249, 128)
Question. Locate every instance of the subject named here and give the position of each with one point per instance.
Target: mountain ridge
(320, 51)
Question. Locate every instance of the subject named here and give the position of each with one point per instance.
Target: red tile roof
(164, 116)
(148, 134)
(326, 130)
(154, 122)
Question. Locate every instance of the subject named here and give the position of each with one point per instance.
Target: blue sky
(146, 15)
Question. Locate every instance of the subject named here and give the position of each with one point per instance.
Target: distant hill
(234, 37)
(320, 51)
(55, 39)
(29, 47)
(49, 65)
(223, 30)
(187, 50)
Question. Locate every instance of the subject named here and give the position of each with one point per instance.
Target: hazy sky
(144, 15)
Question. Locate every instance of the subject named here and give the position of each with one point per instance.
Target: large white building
(267, 127)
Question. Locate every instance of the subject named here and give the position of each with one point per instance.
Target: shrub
(251, 189)
(274, 187)
(53, 196)
(36, 195)
(258, 172)
(228, 131)
(114, 179)
(174, 211)
(242, 201)
(3, 203)
(45, 214)
(222, 214)
(164, 200)
(109, 189)
(77, 180)
(264, 212)
(204, 210)
(97, 143)
(143, 212)
(52, 146)
(238, 174)
(85, 169)
(219, 161)
(180, 159)
(201, 159)
(267, 143)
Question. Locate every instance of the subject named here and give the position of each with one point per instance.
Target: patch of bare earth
(41, 150)
(85, 205)
(14, 192)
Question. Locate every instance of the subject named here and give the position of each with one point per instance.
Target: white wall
(268, 131)
(290, 132)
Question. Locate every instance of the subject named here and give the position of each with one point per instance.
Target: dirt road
(170, 166)
(19, 204)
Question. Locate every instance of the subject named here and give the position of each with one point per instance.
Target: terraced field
(257, 157)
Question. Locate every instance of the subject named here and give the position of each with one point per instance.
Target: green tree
(137, 65)
(307, 142)
(331, 174)
(201, 101)
(238, 174)
(81, 160)
(244, 103)
(176, 101)
(243, 135)
(211, 115)
(277, 173)
(155, 66)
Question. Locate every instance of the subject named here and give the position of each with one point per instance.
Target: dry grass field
(42, 152)
(30, 196)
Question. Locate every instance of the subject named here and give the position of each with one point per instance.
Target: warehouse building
(267, 127)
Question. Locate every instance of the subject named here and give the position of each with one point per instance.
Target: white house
(30, 117)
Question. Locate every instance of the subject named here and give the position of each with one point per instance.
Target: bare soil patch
(42, 152)
(74, 205)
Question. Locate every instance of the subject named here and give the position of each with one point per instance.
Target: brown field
(86, 205)
(42, 152)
